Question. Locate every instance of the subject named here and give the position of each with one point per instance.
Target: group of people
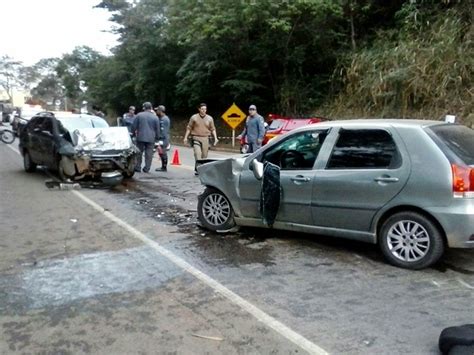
(148, 130)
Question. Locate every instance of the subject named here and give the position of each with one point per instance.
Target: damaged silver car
(406, 185)
(78, 146)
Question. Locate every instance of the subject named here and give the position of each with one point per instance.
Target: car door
(47, 142)
(366, 168)
(33, 139)
(296, 156)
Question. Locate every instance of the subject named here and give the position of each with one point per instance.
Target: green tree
(10, 77)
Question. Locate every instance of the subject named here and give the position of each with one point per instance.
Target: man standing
(164, 140)
(146, 129)
(128, 118)
(199, 129)
(254, 129)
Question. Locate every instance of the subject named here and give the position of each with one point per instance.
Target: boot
(164, 163)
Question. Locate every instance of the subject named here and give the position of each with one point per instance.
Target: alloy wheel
(408, 241)
(216, 209)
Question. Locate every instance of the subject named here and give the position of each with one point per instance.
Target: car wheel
(128, 174)
(411, 240)
(7, 136)
(60, 169)
(215, 211)
(28, 163)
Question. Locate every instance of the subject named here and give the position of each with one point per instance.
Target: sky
(34, 29)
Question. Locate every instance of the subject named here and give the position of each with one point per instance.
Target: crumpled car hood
(221, 170)
(102, 139)
(224, 175)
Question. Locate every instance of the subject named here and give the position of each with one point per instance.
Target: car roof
(64, 115)
(397, 122)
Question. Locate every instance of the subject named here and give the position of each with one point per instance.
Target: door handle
(300, 178)
(386, 179)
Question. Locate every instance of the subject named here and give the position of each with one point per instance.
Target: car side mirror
(257, 168)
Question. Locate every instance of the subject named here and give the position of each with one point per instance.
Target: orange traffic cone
(176, 160)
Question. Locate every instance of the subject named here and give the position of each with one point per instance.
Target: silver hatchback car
(407, 185)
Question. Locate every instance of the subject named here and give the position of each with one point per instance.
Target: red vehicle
(278, 125)
(282, 124)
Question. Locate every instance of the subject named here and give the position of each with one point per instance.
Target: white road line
(465, 284)
(268, 320)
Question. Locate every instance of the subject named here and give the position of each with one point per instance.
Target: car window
(460, 139)
(276, 124)
(47, 125)
(73, 123)
(35, 124)
(364, 149)
(299, 151)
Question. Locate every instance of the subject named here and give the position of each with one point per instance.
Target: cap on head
(131, 108)
(161, 108)
(252, 107)
(147, 106)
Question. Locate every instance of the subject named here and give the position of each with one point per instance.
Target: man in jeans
(254, 129)
(146, 129)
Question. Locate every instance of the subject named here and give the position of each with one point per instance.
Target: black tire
(215, 211)
(244, 148)
(411, 241)
(60, 170)
(28, 164)
(128, 174)
(7, 136)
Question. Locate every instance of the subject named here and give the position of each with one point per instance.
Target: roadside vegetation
(335, 58)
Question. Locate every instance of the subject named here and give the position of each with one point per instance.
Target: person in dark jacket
(164, 140)
(128, 118)
(146, 129)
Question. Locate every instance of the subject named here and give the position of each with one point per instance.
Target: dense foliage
(341, 58)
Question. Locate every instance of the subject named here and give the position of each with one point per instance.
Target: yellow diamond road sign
(233, 116)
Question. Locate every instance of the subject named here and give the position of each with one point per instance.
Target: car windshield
(460, 139)
(276, 124)
(28, 113)
(84, 121)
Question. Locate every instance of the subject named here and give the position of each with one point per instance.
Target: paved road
(127, 271)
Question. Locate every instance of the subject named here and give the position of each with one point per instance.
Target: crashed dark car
(78, 146)
(406, 185)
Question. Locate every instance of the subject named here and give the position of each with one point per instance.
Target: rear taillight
(463, 181)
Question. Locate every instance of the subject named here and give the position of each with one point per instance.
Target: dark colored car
(78, 146)
(406, 185)
(23, 115)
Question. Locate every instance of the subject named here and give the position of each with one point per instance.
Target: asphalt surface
(127, 270)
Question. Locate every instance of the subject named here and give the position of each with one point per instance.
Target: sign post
(233, 117)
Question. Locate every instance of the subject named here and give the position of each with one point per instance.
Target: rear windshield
(460, 139)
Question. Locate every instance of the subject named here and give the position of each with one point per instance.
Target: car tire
(215, 211)
(60, 170)
(128, 174)
(411, 241)
(7, 136)
(28, 164)
(244, 148)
